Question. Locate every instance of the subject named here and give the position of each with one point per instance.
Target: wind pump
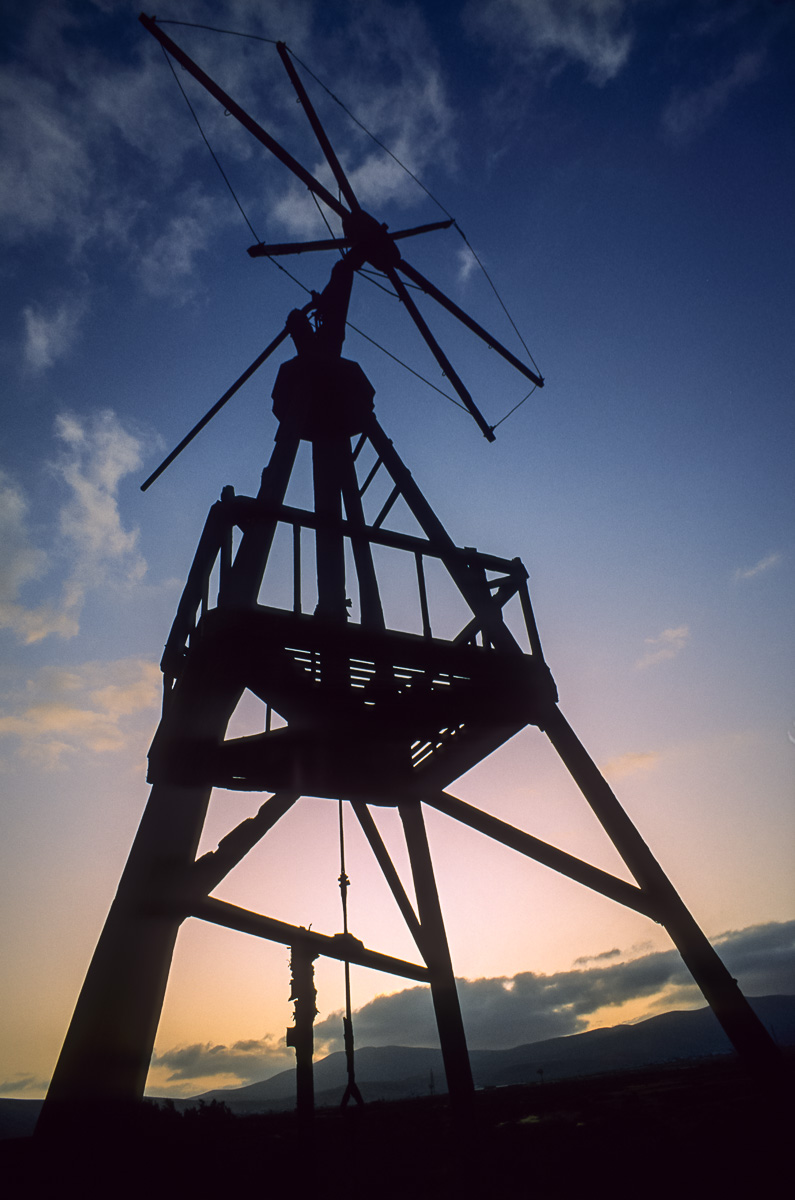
(370, 716)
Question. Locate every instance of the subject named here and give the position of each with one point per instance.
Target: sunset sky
(624, 171)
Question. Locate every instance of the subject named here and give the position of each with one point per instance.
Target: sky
(624, 173)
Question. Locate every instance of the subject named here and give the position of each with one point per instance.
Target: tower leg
(437, 955)
(107, 1050)
(740, 1023)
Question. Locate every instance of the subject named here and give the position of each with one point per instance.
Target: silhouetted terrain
(400, 1072)
(403, 1072)
(696, 1130)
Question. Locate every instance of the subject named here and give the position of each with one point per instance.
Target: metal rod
(296, 568)
(442, 545)
(384, 513)
(272, 249)
(558, 860)
(439, 354)
(739, 1021)
(216, 408)
(437, 955)
(239, 114)
(219, 912)
(482, 333)
(319, 131)
(208, 871)
(426, 620)
(388, 868)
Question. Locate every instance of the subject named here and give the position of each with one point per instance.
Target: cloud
(467, 263)
(393, 85)
(23, 1083)
(591, 958)
(96, 455)
(629, 763)
(22, 563)
(100, 151)
(510, 1011)
(667, 644)
(764, 564)
(166, 267)
(503, 1012)
(761, 957)
(690, 111)
(50, 334)
(592, 33)
(243, 1062)
(68, 710)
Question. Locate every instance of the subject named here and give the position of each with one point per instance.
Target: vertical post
(426, 620)
(369, 598)
(301, 1035)
(436, 953)
(740, 1023)
(330, 545)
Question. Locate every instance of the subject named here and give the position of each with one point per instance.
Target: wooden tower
(370, 716)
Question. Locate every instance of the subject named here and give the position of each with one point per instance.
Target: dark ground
(702, 1129)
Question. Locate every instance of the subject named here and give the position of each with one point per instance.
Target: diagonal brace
(558, 860)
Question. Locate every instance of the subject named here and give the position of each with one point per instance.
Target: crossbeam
(343, 947)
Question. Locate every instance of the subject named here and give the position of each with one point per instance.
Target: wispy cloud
(692, 110)
(66, 711)
(242, 1062)
(630, 763)
(51, 332)
(167, 266)
(96, 454)
(23, 1083)
(94, 143)
(393, 85)
(764, 564)
(667, 644)
(21, 563)
(593, 958)
(467, 263)
(592, 33)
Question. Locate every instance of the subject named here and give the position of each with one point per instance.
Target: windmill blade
(216, 408)
(404, 233)
(438, 353)
(320, 133)
(242, 116)
(271, 249)
(482, 333)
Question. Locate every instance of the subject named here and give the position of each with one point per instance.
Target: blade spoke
(438, 353)
(482, 333)
(208, 416)
(404, 233)
(242, 116)
(319, 131)
(268, 250)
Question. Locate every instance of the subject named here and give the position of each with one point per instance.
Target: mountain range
(400, 1072)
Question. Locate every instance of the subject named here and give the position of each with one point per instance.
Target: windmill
(369, 716)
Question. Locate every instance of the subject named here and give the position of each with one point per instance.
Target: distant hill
(400, 1072)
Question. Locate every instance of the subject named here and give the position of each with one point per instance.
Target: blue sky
(625, 173)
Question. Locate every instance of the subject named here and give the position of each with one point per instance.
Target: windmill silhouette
(369, 715)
